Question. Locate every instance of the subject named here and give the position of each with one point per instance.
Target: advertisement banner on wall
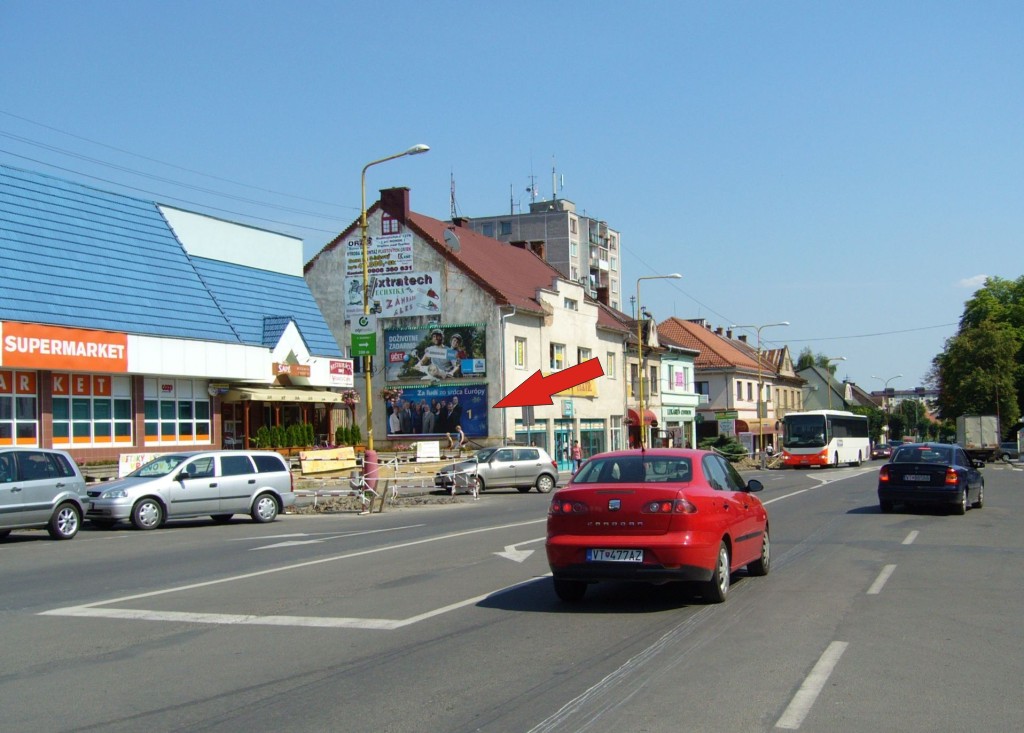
(436, 354)
(391, 296)
(386, 254)
(448, 405)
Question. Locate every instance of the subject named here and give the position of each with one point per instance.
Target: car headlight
(114, 494)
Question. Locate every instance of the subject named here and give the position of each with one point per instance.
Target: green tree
(808, 359)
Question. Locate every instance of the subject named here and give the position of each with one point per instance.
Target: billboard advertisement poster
(391, 296)
(386, 254)
(435, 353)
(435, 411)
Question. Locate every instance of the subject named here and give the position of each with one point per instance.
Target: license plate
(595, 555)
(917, 477)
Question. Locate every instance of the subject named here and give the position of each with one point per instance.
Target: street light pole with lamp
(828, 375)
(640, 348)
(368, 360)
(760, 384)
(885, 399)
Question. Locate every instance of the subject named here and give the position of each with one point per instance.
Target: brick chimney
(395, 202)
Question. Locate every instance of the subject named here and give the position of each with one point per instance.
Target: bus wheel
(835, 461)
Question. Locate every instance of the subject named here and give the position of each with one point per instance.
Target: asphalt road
(441, 619)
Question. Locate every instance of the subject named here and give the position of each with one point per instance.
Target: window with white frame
(520, 356)
(91, 409)
(609, 365)
(653, 386)
(574, 249)
(557, 356)
(19, 409)
(583, 355)
(739, 390)
(177, 412)
(750, 391)
(570, 305)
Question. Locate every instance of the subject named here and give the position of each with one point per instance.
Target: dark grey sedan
(931, 474)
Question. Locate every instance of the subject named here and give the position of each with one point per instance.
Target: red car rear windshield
(635, 469)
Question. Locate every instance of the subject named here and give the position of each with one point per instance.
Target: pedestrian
(577, 456)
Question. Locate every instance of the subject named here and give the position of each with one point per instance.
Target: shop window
(19, 409)
(177, 412)
(91, 410)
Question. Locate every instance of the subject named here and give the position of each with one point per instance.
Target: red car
(656, 516)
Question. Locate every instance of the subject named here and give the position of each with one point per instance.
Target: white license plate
(595, 555)
(917, 477)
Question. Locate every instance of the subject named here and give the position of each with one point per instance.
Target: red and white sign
(342, 373)
(35, 346)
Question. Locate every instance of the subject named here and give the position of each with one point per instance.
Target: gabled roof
(75, 256)
(716, 352)
(511, 275)
(102, 260)
(250, 296)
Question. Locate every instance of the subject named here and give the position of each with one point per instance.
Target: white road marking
(808, 693)
(883, 576)
(93, 610)
(784, 496)
(909, 539)
(512, 552)
(326, 536)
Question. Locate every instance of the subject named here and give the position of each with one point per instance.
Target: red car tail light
(951, 477)
(883, 474)
(669, 506)
(565, 506)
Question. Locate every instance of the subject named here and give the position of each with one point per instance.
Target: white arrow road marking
(512, 552)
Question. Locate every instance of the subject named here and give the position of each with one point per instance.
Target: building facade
(129, 327)
(583, 249)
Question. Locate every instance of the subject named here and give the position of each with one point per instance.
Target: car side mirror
(753, 485)
(183, 475)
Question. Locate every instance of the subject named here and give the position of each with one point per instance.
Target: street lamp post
(368, 360)
(828, 375)
(640, 348)
(885, 398)
(760, 385)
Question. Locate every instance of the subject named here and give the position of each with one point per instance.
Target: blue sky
(855, 169)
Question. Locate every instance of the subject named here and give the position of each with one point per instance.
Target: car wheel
(981, 497)
(716, 589)
(763, 564)
(570, 591)
(221, 518)
(885, 507)
(65, 522)
(264, 509)
(147, 514)
(545, 483)
(961, 506)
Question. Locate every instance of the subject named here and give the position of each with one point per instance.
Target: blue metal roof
(71, 255)
(75, 256)
(249, 296)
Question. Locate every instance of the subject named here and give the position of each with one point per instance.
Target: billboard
(392, 296)
(425, 411)
(435, 354)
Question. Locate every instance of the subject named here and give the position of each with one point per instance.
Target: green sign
(364, 336)
(726, 415)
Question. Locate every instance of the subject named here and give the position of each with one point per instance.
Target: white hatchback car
(215, 483)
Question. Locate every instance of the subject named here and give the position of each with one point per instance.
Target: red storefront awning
(633, 418)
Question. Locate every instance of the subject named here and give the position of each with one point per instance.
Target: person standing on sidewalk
(577, 456)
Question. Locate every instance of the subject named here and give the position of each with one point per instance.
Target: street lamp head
(417, 149)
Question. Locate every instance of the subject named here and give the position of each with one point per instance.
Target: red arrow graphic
(537, 389)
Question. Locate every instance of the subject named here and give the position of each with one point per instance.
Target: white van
(215, 483)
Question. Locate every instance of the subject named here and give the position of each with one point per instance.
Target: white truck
(978, 435)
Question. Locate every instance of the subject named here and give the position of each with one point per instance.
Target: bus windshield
(804, 431)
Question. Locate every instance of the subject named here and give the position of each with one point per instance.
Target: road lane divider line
(880, 581)
(909, 539)
(805, 697)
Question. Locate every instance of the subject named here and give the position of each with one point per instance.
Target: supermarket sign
(35, 346)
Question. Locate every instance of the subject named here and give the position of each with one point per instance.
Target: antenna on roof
(454, 213)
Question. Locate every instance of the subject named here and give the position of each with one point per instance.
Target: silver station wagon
(40, 488)
(218, 484)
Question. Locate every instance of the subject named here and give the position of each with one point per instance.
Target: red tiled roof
(716, 352)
